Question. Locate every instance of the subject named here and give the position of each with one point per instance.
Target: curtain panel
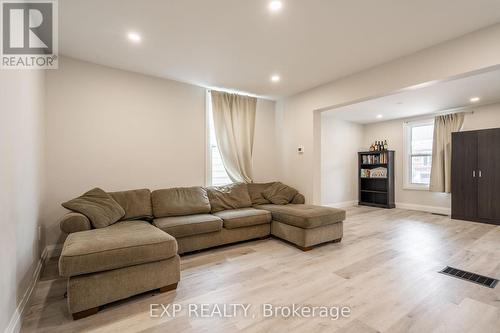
(234, 122)
(441, 151)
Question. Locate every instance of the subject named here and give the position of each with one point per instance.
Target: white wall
(120, 130)
(265, 147)
(482, 118)
(472, 52)
(340, 142)
(21, 136)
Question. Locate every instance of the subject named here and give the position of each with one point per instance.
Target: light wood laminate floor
(385, 270)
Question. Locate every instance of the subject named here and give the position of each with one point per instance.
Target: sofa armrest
(74, 222)
(298, 199)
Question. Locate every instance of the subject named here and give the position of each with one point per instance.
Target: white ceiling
(434, 98)
(238, 44)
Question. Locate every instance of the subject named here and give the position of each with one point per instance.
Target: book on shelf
(375, 158)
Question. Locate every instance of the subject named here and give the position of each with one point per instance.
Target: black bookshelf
(376, 192)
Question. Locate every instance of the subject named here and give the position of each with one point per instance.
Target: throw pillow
(226, 197)
(255, 190)
(279, 193)
(298, 199)
(100, 208)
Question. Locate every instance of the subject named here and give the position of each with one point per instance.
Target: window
(418, 154)
(216, 172)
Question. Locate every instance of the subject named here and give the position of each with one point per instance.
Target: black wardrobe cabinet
(475, 176)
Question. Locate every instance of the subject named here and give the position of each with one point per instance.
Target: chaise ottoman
(108, 264)
(306, 225)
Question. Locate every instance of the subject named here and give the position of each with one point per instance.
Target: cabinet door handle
(473, 173)
(480, 174)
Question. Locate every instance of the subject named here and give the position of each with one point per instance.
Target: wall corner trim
(16, 318)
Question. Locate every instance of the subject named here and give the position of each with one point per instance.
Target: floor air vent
(468, 276)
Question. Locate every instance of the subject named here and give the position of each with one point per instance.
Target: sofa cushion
(136, 203)
(230, 196)
(255, 191)
(101, 209)
(120, 245)
(279, 193)
(304, 216)
(180, 201)
(182, 226)
(243, 217)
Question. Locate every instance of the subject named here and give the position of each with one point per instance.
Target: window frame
(407, 158)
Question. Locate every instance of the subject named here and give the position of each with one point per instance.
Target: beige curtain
(234, 122)
(441, 151)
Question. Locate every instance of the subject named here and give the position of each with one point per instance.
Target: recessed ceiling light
(134, 37)
(379, 116)
(474, 99)
(275, 78)
(275, 5)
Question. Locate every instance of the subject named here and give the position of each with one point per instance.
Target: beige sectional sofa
(198, 223)
(140, 252)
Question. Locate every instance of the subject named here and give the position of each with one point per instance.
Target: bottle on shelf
(376, 146)
(386, 146)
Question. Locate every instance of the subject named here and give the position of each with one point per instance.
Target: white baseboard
(402, 205)
(52, 251)
(343, 204)
(15, 321)
(423, 208)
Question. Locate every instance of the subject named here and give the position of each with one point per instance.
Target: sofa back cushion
(279, 193)
(100, 208)
(230, 196)
(255, 191)
(180, 201)
(136, 203)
